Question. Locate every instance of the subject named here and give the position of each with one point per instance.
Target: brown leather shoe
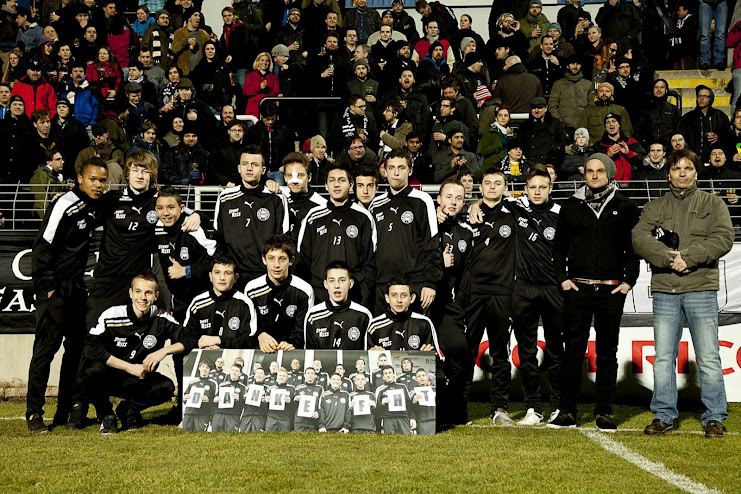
(658, 428)
(713, 429)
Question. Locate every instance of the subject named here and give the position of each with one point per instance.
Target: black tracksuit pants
(607, 309)
(449, 321)
(59, 318)
(529, 304)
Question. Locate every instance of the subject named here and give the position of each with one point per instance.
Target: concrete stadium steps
(685, 81)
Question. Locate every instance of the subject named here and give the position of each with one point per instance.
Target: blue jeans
(707, 14)
(701, 311)
(736, 74)
(277, 176)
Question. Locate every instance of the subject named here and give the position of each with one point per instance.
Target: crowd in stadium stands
(87, 95)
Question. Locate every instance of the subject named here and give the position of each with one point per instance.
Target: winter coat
(106, 75)
(572, 161)
(528, 27)
(543, 142)
(516, 89)
(593, 119)
(658, 120)
(619, 22)
(39, 96)
(178, 166)
(570, 95)
(181, 49)
(493, 147)
(255, 93)
(623, 162)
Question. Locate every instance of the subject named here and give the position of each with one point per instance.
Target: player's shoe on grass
(563, 421)
(658, 428)
(501, 417)
(555, 413)
(531, 418)
(36, 424)
(74, 418)
(605, 423)
(122, 411)
(173, 417)
(134, 420)
(713, 429)
(109, 425)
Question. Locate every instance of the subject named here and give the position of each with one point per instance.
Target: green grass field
(477, 458)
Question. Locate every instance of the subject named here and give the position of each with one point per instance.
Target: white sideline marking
(653, 467)
(543, 427)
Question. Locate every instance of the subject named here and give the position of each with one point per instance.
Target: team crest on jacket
(505, 231)
(291, 310)
(263, 309)
(184, 255)
(462, 245)
(407, 217)
(263, 214)
(549, 233)
(414, 341)
(353, 333)
(352, 231)
(81, 224)
(233, 323)
(152, 216)
(149, 341)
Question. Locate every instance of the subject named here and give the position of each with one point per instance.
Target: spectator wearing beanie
(535, 24)
(576, 157)
(626, 152)
(316, 149)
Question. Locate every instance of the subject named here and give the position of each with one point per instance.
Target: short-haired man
(407, 235)
(280, 409)
(229, 402)
(35, 91)
(366, 185)
(334, 413)
(596, 267)
(626, 152)
(281, 298)
(197, 418)
(308, 398)
(295, 374)
(255, 411)
(338, 323)
(423, 402)
(248, 214)
(360, 369)
(221, 317)
(122, 354)
(402, 419)
(595, 113)
(301, 200)
(362, 405)
(702, 126)
(399, 328)
(340, 230)
(59, 258)
(448, 162)
(684, 283)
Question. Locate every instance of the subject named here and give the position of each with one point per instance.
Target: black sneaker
(605, 423)
(74, 419)
(36, 424)
(704, 66)
(720, 66)
(122, 411)
(134, 420)
(713, 429)
(563, 421)
(173, 417)
(109, 425)
(658, 428)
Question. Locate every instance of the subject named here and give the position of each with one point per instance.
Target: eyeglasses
(357, 148)
(445, 106)
(613, 50)
(360, 107)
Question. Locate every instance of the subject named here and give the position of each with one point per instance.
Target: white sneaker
(501, 417)
(531, 418)
(555, 413)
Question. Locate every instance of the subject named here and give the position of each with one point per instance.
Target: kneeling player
(123, 351)
(362, 405)
(399, 328)
(395, 413)
(229, 402)
(197, 414)
(334, 413)
(339, 323)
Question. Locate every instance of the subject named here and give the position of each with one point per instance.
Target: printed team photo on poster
(327, 391)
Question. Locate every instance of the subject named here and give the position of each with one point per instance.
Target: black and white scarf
(157, 45)
(349, 127)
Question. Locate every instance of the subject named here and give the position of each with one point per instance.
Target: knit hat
(161, 12)
(533, 2)
(472, 58)
(280, 51)
(360, 61)
(607, 161)
(190, 127)
(99, 130)
(465, 41)
(63, 101)
(435, 45)
(15, 98)
(294, 9)
(482, 93)
(44, 40)
(581, 132)
(317, 140)
(608, 85)
(720, 146)
(188, 13)
(615, 116)
(555, 25)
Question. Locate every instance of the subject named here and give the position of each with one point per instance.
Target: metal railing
(18, 203)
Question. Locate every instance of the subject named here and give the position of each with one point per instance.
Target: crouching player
(123, 351)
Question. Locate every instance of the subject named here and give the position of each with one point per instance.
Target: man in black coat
(543, 136)
(705, 125)
(659, 119)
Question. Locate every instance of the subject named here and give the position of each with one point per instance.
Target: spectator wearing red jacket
(260, 83)
(105, 72)
(37, 94)
(626, 152)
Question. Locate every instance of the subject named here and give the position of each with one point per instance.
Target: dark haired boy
(197, 418)
(229, 402)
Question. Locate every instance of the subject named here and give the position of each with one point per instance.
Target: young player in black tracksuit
(322, 378)
(185, 257)
(399, 328)
(334, 412)
(360, 369)
(447, 314)
(247, 215)
(227, 418)
(487, 292)
(596, 267)
(281, 406)
(394, 405)
(339, 323)
(295, 375)
(122, 354)
(221, 317)
(60, 254)
(300, 199)
(407, 235)
(309, 388)
(255, 411)
(345, 384)
(196, 419)
(341, 230)
(362, 410)
(407, 374)
(218, 374)
(282, 299)
(423, 403)
(536, 293)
